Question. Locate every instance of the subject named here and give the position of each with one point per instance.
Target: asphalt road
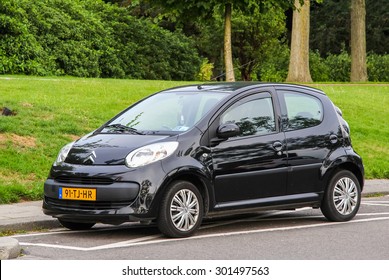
(276, 235)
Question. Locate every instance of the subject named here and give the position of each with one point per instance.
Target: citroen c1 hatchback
(191, 152)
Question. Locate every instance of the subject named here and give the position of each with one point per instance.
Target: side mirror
(228, 130)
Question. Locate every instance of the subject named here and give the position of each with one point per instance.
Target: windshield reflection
(167, 112)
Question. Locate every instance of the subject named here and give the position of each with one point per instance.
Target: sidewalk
(27, 216)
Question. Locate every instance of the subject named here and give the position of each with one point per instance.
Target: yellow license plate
(77, 193)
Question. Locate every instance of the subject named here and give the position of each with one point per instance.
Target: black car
(191, 152)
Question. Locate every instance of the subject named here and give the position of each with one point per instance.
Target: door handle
(277, 146)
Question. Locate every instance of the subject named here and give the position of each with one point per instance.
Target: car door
(308, 139)
(251, 165)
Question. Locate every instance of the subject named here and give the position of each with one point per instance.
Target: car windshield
(163, 112)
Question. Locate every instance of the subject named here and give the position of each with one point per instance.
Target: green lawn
(54, 111)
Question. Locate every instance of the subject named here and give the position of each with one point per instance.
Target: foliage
(378, 67)
(255, 38)
(318, 67)
(257, 26)
(330, 26)
(205, 73)
(336, 68)
(88, 38)
(91, 38)
(339, 67)
(275, 66)
(333, 68)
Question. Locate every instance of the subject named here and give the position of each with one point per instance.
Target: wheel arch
(197, 178)
(350, 166)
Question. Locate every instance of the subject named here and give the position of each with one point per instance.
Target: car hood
(108, 149)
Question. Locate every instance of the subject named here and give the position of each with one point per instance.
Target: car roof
(237, 87)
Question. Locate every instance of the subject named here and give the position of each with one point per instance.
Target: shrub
(339, 67)
(275, 66)
(336, 68)
(378, 67)
(88, 38)
(206, 71)
(318, 67)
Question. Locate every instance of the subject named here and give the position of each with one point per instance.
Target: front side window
(303, 110)
(253, 117)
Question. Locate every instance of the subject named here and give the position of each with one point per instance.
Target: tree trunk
(230, 76)
(358, 41)
(299, 49)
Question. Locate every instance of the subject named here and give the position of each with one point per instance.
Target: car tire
(181, 210)
(342, 197)
(76, 226)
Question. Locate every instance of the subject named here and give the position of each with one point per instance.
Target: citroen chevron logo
(91, 159)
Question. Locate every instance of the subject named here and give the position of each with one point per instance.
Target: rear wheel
(76, 225)
(181, 210)
(342, 197)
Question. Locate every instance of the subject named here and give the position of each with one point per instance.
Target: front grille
(84, 180)
(87, 205)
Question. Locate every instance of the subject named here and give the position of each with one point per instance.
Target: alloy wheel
(345, 196)
(184, 210)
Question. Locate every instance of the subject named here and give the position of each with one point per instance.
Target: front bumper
(122, 194)
(115, 202)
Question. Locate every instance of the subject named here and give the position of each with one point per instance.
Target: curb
(31, 226)
(9, 248)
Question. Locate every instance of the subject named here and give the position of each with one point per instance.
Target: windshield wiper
(124, 128)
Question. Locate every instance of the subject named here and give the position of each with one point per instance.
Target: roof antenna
(199, 87)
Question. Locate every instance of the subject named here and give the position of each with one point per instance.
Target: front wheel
(181, 210)
(342, 197)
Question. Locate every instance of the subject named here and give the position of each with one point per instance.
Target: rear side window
(303, 110)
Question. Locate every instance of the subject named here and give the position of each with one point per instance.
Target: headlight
(150, 153)
(63, 153)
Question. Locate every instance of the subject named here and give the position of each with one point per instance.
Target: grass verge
(51, 112)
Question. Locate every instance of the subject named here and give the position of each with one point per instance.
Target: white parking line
(373, 214)
(377, 204)
(127, 242)
(130, 243)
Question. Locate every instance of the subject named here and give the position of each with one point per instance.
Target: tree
(256, 38)
(358, 41)
(299, 49)
(230, 75)
(190, 9)
(331, 34)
